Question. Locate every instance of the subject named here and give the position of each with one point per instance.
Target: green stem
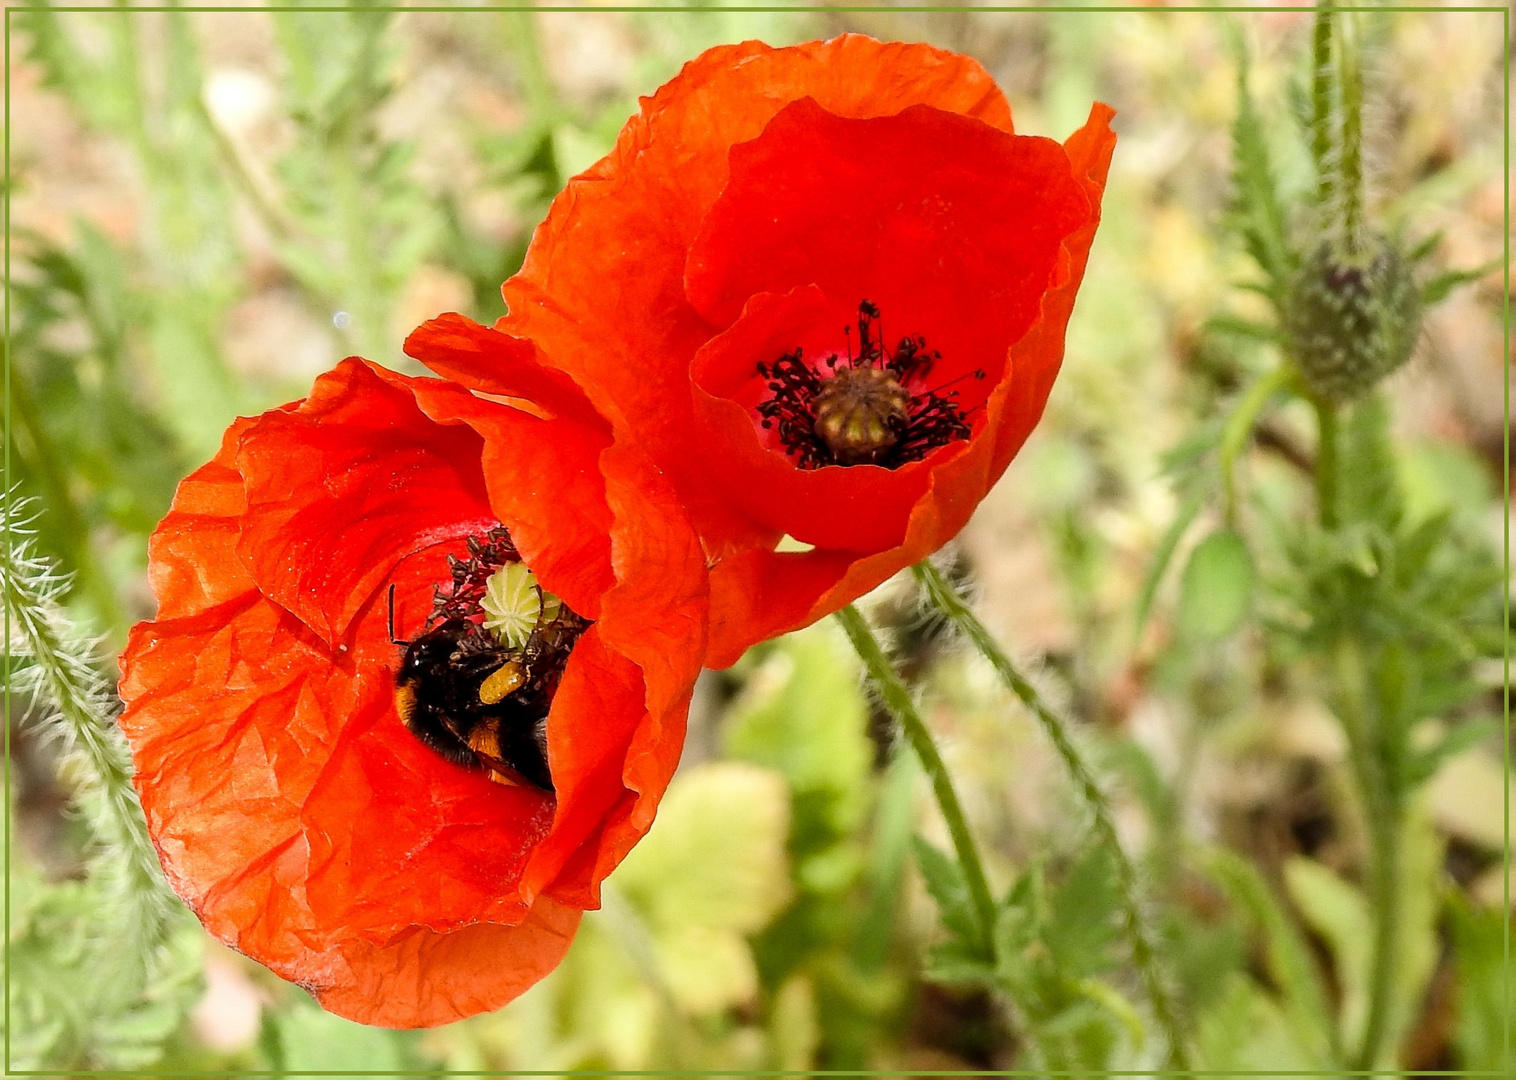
(897, 698)
(1321, 101)
(1326, 462)
(521, 28)
(1350, 83)
(952, 605)
(1382, 809)
(1239, 426)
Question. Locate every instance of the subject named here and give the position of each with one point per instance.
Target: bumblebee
(475, 702)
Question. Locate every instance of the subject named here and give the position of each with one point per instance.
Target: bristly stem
(1350, 91)
(897, 698)
(952, 605)
(1321, 101)
(1326, 462)
(1383, 809)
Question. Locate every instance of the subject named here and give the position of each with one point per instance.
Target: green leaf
(715, 857)
(1423, 764)
(1257, 209)
(956, 962)
(1424, 247)
(804, 714)
(712, 870)
(1340, 914)
(794, 1028)
(1439, 477)
(706, 969)
(1442, 285)
(1245, 1030)
(311, 1039)
(1485, 1029)
(1216, 590)
(944, 880)
(135, 1037)
(1237, 326)
(1303, 1003)
(1082, 927)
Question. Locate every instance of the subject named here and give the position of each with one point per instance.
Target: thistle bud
(1352, 319)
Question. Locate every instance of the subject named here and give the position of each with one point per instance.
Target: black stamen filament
(826, 415)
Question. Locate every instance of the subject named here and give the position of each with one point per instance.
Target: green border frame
(6, 496)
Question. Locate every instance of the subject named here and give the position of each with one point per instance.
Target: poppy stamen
(465, 599)
(863, 413)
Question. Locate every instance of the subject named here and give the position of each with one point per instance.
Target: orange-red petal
(601, 293)
(755, 200)
(763, 593)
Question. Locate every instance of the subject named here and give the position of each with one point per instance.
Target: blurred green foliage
(212, 208)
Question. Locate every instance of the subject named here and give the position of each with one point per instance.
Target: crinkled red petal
(344, 486)
(291, 808)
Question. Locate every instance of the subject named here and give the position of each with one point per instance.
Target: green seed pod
(1352, 319)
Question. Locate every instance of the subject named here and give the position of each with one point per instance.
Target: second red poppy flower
(825, 287)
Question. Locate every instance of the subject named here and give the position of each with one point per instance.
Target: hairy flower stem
(952, 605)
(897, 699)
(1382, 807)
(1321, 101)
(1350, 160)
(1326, 462)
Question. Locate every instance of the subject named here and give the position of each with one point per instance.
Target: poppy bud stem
(1321, 101)
(897, 698)
(1326, 462)
(951, 604)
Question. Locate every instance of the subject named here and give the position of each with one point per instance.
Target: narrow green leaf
(1485, 1029)
(944, 880)
(1303, 997)
(1424, 247)
(1440, 287)
(1258, 211)
(1422, 765)
(1341, 915)
(1162, 556)
(1237, 326)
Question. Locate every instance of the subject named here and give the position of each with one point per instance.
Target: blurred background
(208, 209)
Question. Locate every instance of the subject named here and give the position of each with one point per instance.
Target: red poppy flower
(703, 282)
(410, 881)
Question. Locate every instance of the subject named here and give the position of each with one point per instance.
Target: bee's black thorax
(471, 699)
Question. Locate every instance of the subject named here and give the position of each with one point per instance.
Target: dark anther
(470, 576)
(865, 412)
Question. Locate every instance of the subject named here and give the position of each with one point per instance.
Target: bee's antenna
(391, 622)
